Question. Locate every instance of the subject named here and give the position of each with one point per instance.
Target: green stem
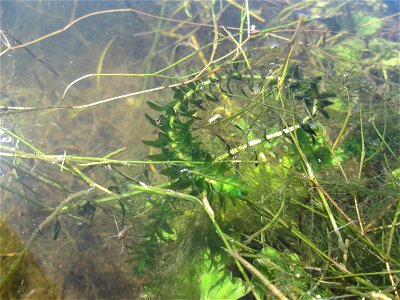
(384, 141)
(392, 230)
(264, 280)
(346, 121)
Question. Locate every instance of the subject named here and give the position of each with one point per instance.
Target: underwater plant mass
(202, 150)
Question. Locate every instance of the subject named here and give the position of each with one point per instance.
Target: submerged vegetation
(272, 170)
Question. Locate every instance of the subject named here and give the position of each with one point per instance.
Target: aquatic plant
(272, 171)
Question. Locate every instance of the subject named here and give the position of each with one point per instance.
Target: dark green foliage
(177, 142)
(255, 190)
(307, 91)
(277, 167)
(157, 233)
(281, 202)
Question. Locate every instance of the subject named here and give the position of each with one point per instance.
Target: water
(83, 253)
(83, 262)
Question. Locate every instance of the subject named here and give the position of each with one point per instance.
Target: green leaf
(396, 173)
(295, 72)
(155, 144)
(164, 139)
(223, 167)
(218, 169)
(187, 140)
(232, 187)
(189, 113)
(151, 120)
(171, 172)
(165, 126)
(160, 234)
(324, 103)
(183, 132)
(179, 95)
(167, 228)
(208, 161)
(273, 263)
(350, 53)
(212, 98)
(181, 184)
(169, 154)
(221, 285)
(310, 104)
(200, 185)
(190, 86)
(170, 112)
(326, 95)
(156, 107)
(313, 89)
(56, 229)
(222, 201)
(323, 112)
(198, 103)
(307, 128)
(366, 25)
(196, 152)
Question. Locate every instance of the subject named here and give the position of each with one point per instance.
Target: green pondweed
(270, 175)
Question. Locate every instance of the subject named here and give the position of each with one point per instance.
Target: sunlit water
(87, 260)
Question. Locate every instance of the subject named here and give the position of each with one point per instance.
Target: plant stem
(264, 280)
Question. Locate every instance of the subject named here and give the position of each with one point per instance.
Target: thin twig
(101, 13)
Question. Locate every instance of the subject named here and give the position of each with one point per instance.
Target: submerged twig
(50, 68)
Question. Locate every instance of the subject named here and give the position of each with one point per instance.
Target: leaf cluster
(188, 164)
